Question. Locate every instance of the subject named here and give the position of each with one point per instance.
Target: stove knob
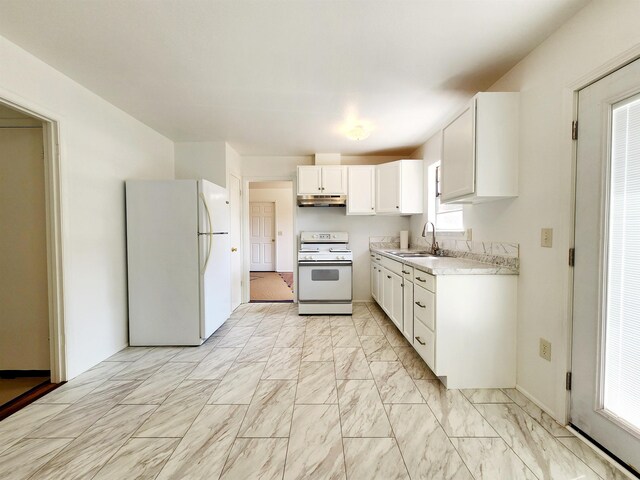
(315, 236)
(334, 236)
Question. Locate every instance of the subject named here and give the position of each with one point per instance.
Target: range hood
(322, 200)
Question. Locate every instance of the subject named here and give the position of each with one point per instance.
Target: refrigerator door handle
(206, 262)
(206, 208)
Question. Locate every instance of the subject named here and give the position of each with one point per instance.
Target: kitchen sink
(412, 254)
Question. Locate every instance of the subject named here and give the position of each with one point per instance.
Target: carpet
(269, 286)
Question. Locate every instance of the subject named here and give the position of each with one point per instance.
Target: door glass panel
(622, 326)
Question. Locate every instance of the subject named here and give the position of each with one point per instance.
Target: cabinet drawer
(425, 280)
(375, 258)
(424, 306)
(424, 341)
(407, 272)
(392, 265)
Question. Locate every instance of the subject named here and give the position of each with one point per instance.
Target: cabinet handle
(397, 206)
(388, 276)
(406, 273)
(420, 279)
(373, 256)
(377, 258)
(372, 208)
(402, 284)
(420, 341)
(420, 305)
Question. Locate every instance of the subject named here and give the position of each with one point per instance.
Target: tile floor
(273, 395)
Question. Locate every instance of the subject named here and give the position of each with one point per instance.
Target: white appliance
(178, 258)
(325, 268)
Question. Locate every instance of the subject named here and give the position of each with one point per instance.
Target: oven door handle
(324, 264)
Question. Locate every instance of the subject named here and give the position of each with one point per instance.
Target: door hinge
(574, 130)
(568, 381)
(572, 257)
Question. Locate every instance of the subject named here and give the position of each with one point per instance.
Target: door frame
(275, 236)
(246, 244)
(570, 113)
(240, 233)
(54, 210)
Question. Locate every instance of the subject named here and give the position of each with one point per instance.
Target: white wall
(360, 228)
(283, 198)
(196, 160)
(24, 311)
(594, 37)
(101, 146)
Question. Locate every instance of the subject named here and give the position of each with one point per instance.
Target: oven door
(324, 282)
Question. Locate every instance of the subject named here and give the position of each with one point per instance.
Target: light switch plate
(546, 237)
(545, 349)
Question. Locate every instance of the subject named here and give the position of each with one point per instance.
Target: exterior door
(605, 397)
(235, 237)
(262, 226)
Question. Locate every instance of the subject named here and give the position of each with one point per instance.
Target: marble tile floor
(274, 395)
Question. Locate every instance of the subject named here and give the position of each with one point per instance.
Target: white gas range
(325, 265)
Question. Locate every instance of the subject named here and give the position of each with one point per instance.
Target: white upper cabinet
(480, 150)
(361, 190)
(309, 181)
(334, 180)
(322, 180)
(399, 187)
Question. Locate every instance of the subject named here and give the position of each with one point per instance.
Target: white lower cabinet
(407, 309)
(392, 299)
(463, 326)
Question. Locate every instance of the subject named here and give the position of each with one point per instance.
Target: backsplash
(384, 242)
(505, 254)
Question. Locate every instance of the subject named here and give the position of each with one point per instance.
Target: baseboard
(24, 373)
(541, 405)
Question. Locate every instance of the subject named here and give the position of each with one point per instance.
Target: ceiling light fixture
(358, 132)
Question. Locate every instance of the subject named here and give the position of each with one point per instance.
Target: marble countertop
(446, 265)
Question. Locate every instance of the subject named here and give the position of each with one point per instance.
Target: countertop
(446, 265)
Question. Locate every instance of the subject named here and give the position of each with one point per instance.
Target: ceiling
(285, 77)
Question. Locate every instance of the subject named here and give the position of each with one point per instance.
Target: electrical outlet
(546, 237)
(545, 349)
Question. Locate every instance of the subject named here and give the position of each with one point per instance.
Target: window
(446, 218)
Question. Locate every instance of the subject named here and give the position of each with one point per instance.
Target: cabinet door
(361, 190)
(334, 180)
(309, 180)
(397, 300)
(374, 281)
(407, 310)
(388, 188)
(387, 291)
(458, 156)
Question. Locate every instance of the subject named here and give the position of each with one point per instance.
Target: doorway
(605, 395)
(271, 241)
(24, 317)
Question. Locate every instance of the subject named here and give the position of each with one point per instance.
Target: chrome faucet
(435, 249)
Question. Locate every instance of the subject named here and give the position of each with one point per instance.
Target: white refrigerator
(178, 258)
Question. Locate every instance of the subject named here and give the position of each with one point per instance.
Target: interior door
(235, 238)
(262, 236)
(605, 397)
